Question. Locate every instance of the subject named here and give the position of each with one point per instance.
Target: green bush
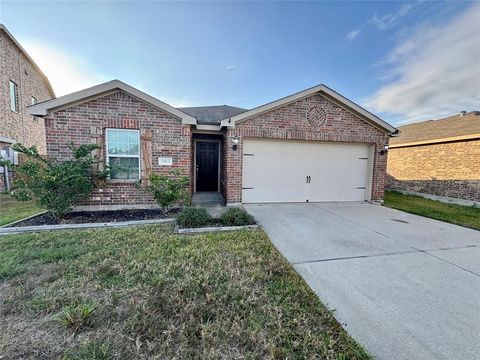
(236, 216)
(168, 190)
(53, 185)
(193, 217)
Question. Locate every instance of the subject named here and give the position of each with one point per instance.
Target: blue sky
(397, 59)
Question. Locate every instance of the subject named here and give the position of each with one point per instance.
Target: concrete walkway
(405, 286)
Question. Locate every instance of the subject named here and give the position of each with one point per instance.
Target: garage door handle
(309, 179)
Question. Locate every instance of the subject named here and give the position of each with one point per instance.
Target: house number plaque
(165, 161)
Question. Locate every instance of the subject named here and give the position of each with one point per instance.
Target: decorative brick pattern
(291, 122)
(21, 126)
(119, 110)
(444, 169)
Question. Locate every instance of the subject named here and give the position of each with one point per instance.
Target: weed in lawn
(94, 350)
(77, 317)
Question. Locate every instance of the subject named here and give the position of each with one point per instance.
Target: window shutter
(146, 154)
(96, 137)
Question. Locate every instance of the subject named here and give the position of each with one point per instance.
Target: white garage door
(300, 171)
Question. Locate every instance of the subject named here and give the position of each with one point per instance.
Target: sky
(404, 61)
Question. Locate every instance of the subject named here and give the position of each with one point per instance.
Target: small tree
(56, 186)
(168, 190)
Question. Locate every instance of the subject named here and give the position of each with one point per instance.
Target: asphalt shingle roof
(212, 115)
(451, 126)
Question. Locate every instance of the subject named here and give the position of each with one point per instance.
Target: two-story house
(22, 83)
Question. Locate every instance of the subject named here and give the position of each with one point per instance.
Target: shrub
(56, 186)
(168, 190)
(236, 216)
(193, 217)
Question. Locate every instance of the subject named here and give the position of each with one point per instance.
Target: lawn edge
(119, 224)
(23, 219)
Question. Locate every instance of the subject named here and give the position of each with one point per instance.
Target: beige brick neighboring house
(20, 74)
(438, 157)
(311, 146)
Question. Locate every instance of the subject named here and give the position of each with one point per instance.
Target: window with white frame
(13, 96)
(123, 153)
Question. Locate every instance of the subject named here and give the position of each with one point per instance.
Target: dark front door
(207, 166)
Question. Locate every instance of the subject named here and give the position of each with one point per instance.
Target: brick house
(314, 145)
(438, 157)
(22, 83)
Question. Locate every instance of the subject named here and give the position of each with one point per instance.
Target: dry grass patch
(143, 293)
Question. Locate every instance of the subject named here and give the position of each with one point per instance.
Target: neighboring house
(314, 145)
(22, 83)
(438, 157)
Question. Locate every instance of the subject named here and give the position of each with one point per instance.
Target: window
(13, 96)
(123, 153)
(33, 100)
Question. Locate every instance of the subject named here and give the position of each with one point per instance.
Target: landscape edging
(25, 229)
(26, 218)
(213, 229)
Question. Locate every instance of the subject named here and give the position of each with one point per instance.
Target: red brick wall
(443, 161)
(21, 126)
(290, 122)
(120, 110)
(446, 169)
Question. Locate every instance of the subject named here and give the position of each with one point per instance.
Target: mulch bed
(82, 217)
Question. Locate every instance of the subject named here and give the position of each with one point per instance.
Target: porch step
(208, 199)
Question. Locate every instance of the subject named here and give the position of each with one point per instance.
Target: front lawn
(147, 293)
(456, 214)
(12, 210)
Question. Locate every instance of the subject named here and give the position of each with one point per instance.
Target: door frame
(195, 162)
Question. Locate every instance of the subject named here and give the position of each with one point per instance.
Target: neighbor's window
(123, 153)
(33, 100)
(13, 96)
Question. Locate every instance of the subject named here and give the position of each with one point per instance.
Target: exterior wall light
(384, 150)
(235, 142)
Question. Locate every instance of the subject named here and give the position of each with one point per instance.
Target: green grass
(12, 210)
(456, 214)
(147, 293)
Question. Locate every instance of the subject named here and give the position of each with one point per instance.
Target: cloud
(388, 21)
(67, 72)
(434, 72)
(353, 34)
(231, 69)
(383, 22)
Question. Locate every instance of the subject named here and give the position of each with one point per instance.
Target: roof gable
(43, 108)
(322, 89)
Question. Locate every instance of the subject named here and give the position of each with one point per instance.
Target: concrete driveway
(405, 286)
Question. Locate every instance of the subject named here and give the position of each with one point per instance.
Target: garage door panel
(276, 171)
